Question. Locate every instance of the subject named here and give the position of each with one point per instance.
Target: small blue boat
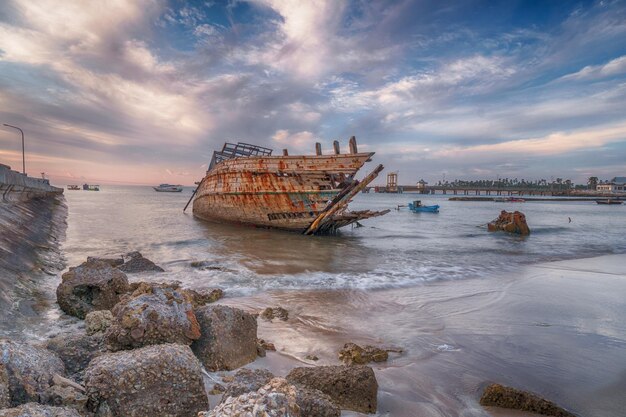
(417, 207)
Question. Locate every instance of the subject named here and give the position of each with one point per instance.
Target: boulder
(271, 313)
(228, 337)
(511, 222)
(350, 387)
(98, 321)
(39, 410)
(65, 396)
(275, 399)
(90, 286)
(114, 262)
(151, 315)
(5, 395)
(354, 354)
(497, 395)
(314, 403)
(160, 380)
(30, 370)
(135, 262)
(76, 351)
(247, 380)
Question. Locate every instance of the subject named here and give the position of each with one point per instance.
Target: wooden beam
(318, 148)
(336, 147)
(352, 143)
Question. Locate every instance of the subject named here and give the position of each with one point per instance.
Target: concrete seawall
(15, 186)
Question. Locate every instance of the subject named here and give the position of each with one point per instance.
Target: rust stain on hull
(284, 192)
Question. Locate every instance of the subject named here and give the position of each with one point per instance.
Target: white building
(616, 185)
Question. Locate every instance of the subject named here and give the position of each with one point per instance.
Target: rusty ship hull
(283, 192)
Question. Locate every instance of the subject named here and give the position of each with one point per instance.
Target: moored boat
(73, 187)
(168, 188)
(417, 207)
(91, 187)
(305, 193)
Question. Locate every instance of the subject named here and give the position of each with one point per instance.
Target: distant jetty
(571, 199)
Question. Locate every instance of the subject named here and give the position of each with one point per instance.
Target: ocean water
(467, 307)
(399, 249)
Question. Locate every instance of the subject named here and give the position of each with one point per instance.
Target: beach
(458, 306)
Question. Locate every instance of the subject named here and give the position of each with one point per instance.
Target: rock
(30, 370)
(247, 380)
(228, 337)
(217, 389)
(65, 396)
(497, 395)
(137, 263)
(354, 354)
(312, 358)
(275, 399)
(39, 410)
(275, 313)
(350, 387)
(76, 351)
(98, 321)
(114, 262)
(155, 380)
(512, 222)
(265, 345)
(314, 403)
(5, 395)
(204, 297)
(90, 286)
(152, 314)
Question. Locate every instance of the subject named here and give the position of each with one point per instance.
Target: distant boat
(73, 187)
(515, 200)
(609, 201)
(92, 187)
(168, 188)
(417, 207)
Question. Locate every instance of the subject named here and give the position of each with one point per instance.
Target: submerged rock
(271, 313)
(98, 321)
(137, 263)
(39, 410)
(228, 337)
(90, 286)
(352, 353)
(314, 403)
(153, 314)
(76, 351)
(350, 387)
(30, 370)
(497, 395)
(275, 399)
(160, 380)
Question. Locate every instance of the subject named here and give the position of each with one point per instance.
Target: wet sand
(556, 329)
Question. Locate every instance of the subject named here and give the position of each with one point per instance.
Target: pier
(458, 190)
(15, 186)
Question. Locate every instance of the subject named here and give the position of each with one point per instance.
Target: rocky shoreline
(144, 349)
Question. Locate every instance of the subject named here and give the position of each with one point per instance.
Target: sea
(466, 307)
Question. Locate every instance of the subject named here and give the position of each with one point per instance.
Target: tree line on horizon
(555, 184)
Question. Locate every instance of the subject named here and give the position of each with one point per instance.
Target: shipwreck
(309, 194)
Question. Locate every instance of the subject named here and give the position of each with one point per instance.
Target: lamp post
(23, 157)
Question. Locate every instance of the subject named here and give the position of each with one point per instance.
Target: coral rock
(350, 387)
(355, 354)
(39, 410)
(228, 337)
(98, 321)
(497, 395)
(152, 381)
(90, 286)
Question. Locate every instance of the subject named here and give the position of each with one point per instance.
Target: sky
(143, 91)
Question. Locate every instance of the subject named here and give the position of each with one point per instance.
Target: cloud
(614, 67)
(298, 140)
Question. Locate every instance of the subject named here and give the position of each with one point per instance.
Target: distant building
(616, 185)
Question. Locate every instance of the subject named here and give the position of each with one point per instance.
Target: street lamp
(23, 157)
